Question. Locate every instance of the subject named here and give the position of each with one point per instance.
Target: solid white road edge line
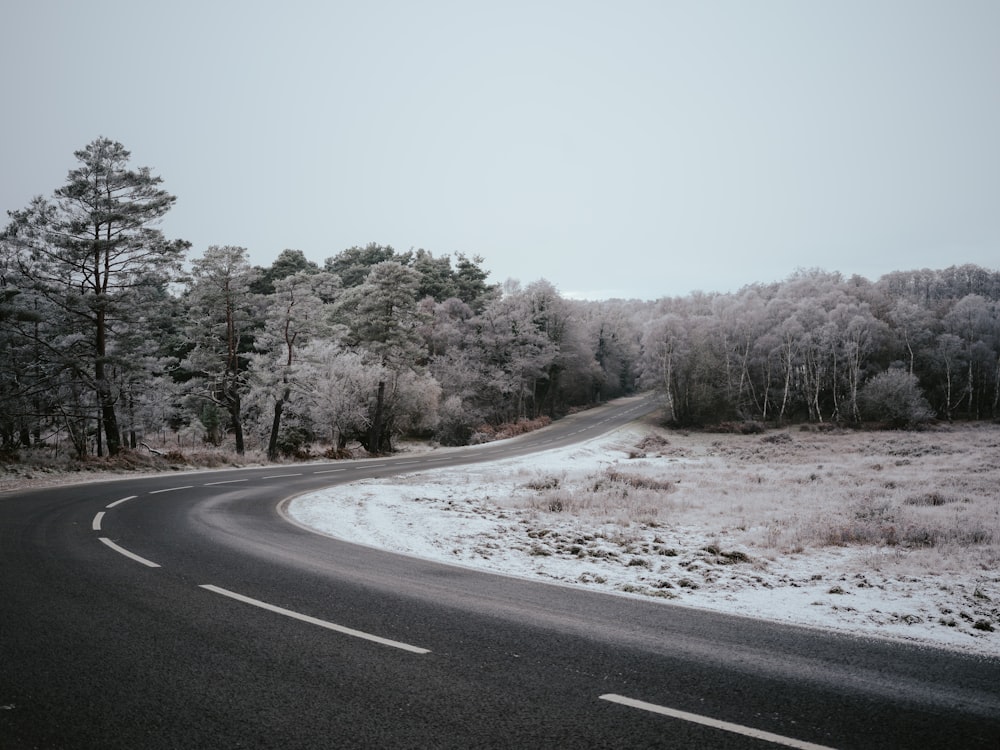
(130, 555)
(315, 621)
(119, 502)
(714, 723)
(96, 525)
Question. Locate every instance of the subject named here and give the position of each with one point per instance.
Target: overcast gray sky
(626, 148)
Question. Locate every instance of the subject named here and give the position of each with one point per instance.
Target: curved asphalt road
(251, 632)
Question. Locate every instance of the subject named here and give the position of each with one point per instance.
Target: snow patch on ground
(514, 517)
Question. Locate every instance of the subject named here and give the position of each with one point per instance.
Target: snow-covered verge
(884, 534)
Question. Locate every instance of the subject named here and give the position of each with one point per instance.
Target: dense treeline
(910, 347)
(110, 339)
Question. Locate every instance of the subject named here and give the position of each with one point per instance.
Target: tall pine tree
(93, 253)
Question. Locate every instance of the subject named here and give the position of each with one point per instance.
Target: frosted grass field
(891, 534)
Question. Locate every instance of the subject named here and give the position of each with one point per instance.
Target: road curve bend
(183, 611)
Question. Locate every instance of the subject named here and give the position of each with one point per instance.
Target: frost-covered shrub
(894, 397)
(292, 441)
(456, 422)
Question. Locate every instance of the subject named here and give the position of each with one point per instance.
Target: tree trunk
(234, 413)
(948, 407)
(767, 396)
(667, 378)
(996, 388)
(98, 439)
(375, 435)
(553, 388)
(785, 391)
(77, 430)
(745, 381)
(970, 389)
(105, 398)
(272, 443)
(230, 396)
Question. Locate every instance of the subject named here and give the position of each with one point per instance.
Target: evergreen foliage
(87, 264)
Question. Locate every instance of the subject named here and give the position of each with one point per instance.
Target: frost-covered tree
(509, 353)
(288, 263)
(154, 338)
(384, 322)
(911, 328)
(438, 277)
(470, 280)
(381, 314)
(93, 254)
(354, 264)
(972, 320)
(444, 325)
(613, 334)
(29, 371)
(665, 345)
(858, 335)
(222, 314)
(293, 314)
(334, 384)
(741, 324)
(342, 387)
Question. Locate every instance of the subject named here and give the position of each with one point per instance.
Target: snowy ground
(887, 534)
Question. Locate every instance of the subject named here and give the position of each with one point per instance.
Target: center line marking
(329, 471)
(130, 555)
(315, 621)
(96, 525)
(777, 739)
(228, 481)
(279, 476)
(171, 489)
(119, 502)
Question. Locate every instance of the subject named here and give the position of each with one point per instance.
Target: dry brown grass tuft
(635, 481)
(487, 433)
(931, 498)
(43, 467)
(545, 482)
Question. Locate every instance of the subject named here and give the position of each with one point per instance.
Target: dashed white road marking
(316, 621)
(119, 502)
(227, 481)
(725, 726)
(329, 471)
(171, 489)
(130, 555)
(96, 525)
(280, 476)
